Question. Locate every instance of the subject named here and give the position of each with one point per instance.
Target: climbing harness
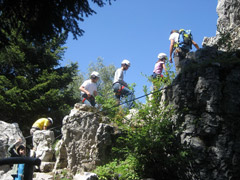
(118, 93)
(91, 99)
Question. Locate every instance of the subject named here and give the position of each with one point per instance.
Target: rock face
(207, 102)
(86, 141)
(44, 141)
(228, 23)
(10, 133)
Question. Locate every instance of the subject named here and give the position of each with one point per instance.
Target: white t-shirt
(118, 77)
(174, 36)
(89, 86)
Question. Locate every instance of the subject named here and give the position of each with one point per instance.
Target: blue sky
(138, 30)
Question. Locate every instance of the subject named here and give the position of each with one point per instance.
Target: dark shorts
(89, 99)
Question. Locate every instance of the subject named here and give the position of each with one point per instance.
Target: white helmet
(95, 74)
(162, 56)
(125, 61)
(50, 119)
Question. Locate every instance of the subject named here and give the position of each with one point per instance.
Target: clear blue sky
(138, 30)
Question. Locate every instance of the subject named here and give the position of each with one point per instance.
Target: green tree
(152, 140)
(75, 84)
(149, 143)
(32, 84)
(40, 21)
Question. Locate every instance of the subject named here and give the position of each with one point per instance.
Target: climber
(158, 68)
(159, 65)
(180, 49)
(120, 87)
(89, 89)
(18, 149)
(41, 124)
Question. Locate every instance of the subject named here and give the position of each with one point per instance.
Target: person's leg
(87, 102)
(127, 92)
(177, 63)
(116, 88)
(92, 101)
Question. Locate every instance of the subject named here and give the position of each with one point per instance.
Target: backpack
(185, 39)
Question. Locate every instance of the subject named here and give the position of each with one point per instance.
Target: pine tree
(32, 82)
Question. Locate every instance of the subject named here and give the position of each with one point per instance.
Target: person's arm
(171, 50)
(95, 93)
(195, 44)
(11, 149)
(46, 124)
(85, 91)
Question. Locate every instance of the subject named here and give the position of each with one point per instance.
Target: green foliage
(118, 170)
(41, 21)
(153, 142)
(108, 106)
(149, 144)
(32, 84)
(64, 175)
(75, 84)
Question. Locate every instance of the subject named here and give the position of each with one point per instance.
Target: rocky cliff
(207, 102)
(228, 23)
(206, 97)
(86, 142)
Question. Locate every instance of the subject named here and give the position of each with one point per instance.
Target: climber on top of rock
(158, 68)
(181, 43)
(89, 89)
(120, 87)
(41, 124)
